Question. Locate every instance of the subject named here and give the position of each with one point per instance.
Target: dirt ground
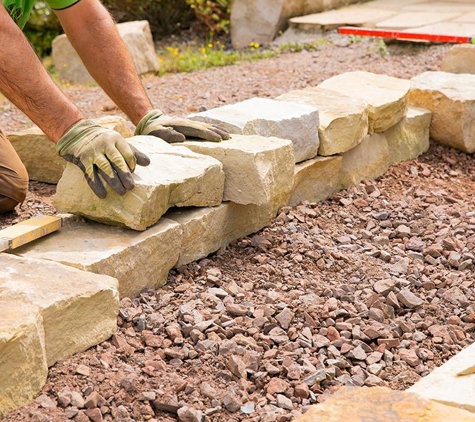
(372, 287)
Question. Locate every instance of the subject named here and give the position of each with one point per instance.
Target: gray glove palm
(99, 151)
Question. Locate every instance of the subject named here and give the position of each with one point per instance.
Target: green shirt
(20, 9)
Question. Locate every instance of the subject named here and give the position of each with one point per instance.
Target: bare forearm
(25, 82)
(93, 34)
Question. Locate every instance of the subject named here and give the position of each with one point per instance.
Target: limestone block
(316, 180)
(138, 260)
(367, 161)
(39, 155)
(410, 137)
(137, 38)
(266, 117)
(458, 373)
(451, 99)
(79, 309)
(206, 230)
(343, 120)
(460, 59)
(258, 170)
(386, 96)
(175, 177)
(23, 368)
(380, 404)
(261, 20)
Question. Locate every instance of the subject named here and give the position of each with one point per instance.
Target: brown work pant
(13, 176)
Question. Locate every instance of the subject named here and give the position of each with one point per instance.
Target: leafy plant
(213, 14)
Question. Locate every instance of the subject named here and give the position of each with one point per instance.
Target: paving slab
(380, 404)
(440, 6)
(445, 28)
(23, 367)
(207, 230)
(175, 177)
(459, 59)
(138, 260)
(316, 180)
(343, 120)
(410, 137)
(451, 99)
(267, 117)
(394, 4)
(38, 153)
(258, 170)
(466, 17)
(386, 96)
(415, 19)
(79, 309)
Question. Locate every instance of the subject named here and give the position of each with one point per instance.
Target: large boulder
(459, 59)
(137, 38)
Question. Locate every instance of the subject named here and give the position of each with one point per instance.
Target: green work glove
(100, 151)
(175, 129)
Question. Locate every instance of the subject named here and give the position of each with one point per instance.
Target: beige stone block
(414, 19)
(137, 38)
(460, 29)
(23, 368)
(441, 6)
(270, 118)
(386, 96)
(316, 180)
(380, 404)
(258, 170)
(451, 99)
(343, 121)
(138, 260)
(79, 309)
(367, 161)
(410, 137)
(206, 230)
(460, 59)
(175, 177)
(458, 373)
(467, 18)
(38, 153)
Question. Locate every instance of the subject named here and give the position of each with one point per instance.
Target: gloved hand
(175, 129)
(100, 151)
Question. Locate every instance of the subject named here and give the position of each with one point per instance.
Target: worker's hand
(100, 151)
(175, 129)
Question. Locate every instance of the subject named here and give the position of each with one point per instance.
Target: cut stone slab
(461, 393)
(343, 121)
(451, 99)
(410, 137)
(460, 59)
(23, 365)
(267, 117)
(79, 309)
(415, 19)
(466, 17)
(316, 180)
(380, 404)
(367, 161)
(440, 6)
(138, 260)
(137, 38)
(207, 230)
(38, 153)
(258, 170)
(445, 28)
(176, 176)
(386, 96)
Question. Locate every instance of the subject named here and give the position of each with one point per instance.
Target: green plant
(381, 47)
(213, 14)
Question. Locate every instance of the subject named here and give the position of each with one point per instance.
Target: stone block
(258, 170)
(23, 366)
(137, 38)
(176, 176)
(79, 309)
(367, 161)
(410, 137)
(451, 99)
(458, 373)
(266, 117)
(386, 96)
(459, 59)
(414, 19)
(206, 230)
(138, 260)
(380, 404)
(343, 120)
(316, 180)
(461, 29)
(39, 155)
